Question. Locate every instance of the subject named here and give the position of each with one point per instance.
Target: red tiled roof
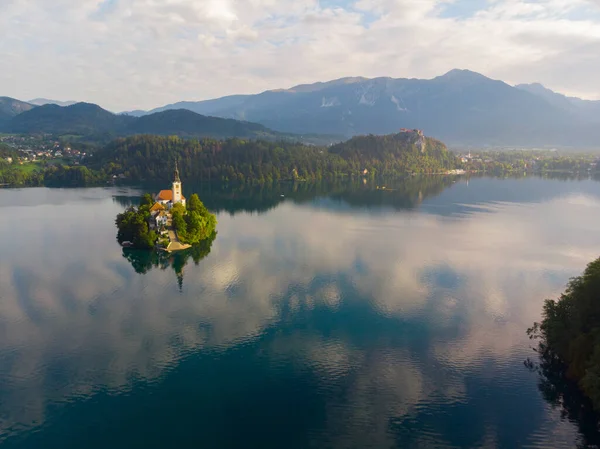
(166, 195)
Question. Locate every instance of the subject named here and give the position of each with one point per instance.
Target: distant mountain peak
(305, 88)
(10, 107)
(85, 106)
(462, 74)
(44, 101)
(535, 87)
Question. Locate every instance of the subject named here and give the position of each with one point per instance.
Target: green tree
(195, 205)
(570, 330)
(146, 200)
(178, 220)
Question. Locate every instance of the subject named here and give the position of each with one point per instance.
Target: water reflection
(144, 261)
(304, 326)
(398, 194)
(444, 194)
(565, 396)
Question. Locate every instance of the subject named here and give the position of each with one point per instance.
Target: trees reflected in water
(398, 193)
(564, 394)
(144, 261)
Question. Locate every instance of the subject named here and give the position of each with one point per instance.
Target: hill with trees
(143, 158)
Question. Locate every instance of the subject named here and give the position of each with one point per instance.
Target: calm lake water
(327, 318)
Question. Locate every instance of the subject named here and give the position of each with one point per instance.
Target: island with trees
(166, 221)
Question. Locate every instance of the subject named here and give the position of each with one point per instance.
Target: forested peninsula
(147, 157)
(569, 334)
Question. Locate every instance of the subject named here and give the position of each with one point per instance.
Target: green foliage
(194, 223)
(179, 223)
(570, 330)
(51, 175)
(193, 226)
(133, 227)
(199, 226)
(141, 158)
(146, 200)
(195, 205)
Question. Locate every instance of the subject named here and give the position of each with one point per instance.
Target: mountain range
(460, 107)
(93, 122)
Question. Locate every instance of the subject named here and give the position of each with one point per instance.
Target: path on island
(175, 244)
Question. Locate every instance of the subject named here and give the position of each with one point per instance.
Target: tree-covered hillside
(153, 158)
(409, 151)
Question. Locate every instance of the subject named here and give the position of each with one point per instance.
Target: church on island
(160, 217)
(170, 197)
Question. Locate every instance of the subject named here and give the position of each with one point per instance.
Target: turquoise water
(327, 317)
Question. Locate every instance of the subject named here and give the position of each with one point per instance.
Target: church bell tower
(177, 195)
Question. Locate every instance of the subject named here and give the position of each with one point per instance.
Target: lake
(329, 317)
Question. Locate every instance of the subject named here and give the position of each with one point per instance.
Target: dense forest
(569, 333)
(147, 157)
(50, 176)
(142, 158)
(151, 158)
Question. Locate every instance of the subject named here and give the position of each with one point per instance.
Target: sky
(140, 54)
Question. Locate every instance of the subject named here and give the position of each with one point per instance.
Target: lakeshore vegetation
(149, 157)
(569, 333)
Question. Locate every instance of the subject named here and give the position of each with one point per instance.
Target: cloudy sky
(128, 54)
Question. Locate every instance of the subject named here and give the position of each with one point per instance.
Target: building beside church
(170, 197)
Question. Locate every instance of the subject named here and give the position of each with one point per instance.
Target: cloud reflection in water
(407, 315)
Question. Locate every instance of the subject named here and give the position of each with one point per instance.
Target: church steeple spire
(177, 195)
(177, 172)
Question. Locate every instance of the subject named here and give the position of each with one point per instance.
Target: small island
(166, 222)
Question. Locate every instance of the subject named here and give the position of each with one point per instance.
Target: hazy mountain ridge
(80, 119)
(10, 107)
(90, 120)
(460, 107)
(44, 101)
(585, 109)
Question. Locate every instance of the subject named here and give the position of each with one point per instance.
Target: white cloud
(126, 54)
